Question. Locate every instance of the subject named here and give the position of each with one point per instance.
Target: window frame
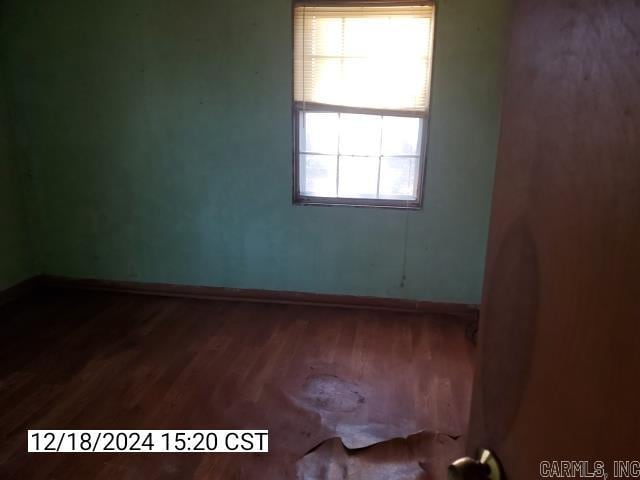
(297, 108)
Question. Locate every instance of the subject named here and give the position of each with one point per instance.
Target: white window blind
(363, 56)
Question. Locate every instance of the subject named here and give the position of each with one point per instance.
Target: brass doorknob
(485, 467)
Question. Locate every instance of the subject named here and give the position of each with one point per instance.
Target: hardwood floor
(311, 375)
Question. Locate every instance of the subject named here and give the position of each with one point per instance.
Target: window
(361, 95)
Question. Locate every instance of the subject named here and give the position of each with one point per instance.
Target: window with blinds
(361, 96)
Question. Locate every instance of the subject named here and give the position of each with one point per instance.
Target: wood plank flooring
(325, 382)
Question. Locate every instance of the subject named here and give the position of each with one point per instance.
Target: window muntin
(361, 93)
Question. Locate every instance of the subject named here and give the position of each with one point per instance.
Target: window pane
(326, 74)
(353, 166)
(391, 83)
(319, 132)
(398, 177)
(358, 177)
(360, 134)
(327, 37)
(376, 56)
(400, 136)
(318, 175)
(376, 36)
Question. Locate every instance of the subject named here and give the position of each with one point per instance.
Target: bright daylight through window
(361, 96)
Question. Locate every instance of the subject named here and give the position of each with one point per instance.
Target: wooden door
(558, 366)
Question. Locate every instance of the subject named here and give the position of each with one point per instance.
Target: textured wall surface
(15, 256)
(159, 139)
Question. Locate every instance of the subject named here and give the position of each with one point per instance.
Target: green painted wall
(15, 255)
(159, 138)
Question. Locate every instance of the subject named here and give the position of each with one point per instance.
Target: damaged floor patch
(331, 394)
(422, 456)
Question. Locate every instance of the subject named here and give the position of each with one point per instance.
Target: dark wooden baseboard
(464, 311)
(20, 290)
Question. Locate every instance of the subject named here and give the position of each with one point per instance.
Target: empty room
(319, 239)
